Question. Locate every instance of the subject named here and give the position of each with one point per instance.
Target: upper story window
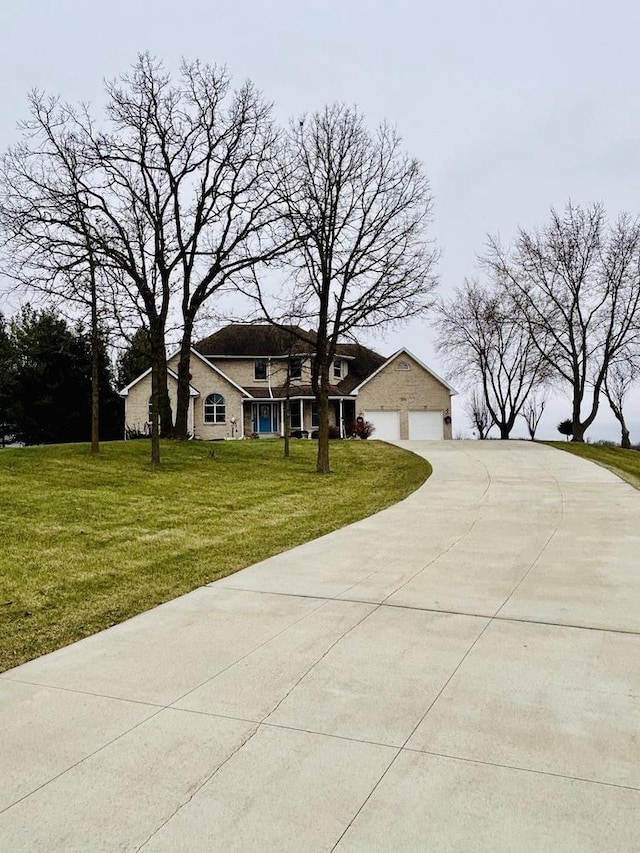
(337, 369)
(295, 368)
(214, 409)
(260, 368)
(403, 365)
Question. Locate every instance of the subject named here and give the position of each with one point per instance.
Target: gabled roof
(253, 340)
(193, 392)
(451, 390)
(364, 362)
(217, 370)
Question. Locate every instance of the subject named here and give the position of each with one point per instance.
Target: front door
(265, 417)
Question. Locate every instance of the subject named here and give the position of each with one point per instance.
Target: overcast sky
(512, 106)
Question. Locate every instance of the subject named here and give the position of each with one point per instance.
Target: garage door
(387, 425)
(425, 426)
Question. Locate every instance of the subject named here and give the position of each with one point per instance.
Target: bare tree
(355, 209)
(48, 241)
(203, 155)
(620, 377)
(177, 191)
(481, 342)
(478, 412)
(575, 285)
(532, 412)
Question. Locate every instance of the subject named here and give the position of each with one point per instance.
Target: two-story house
(242, 375)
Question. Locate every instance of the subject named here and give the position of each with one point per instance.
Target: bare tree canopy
(355, 208)
(575, 285)
(171, 196)
(480, 341)
(532, 412)
(479, 415)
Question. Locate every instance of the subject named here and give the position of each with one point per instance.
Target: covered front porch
(266, 418)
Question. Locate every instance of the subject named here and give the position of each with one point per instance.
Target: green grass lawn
(624, 463)
(89, 541)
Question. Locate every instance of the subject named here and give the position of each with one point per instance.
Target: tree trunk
(95, 372)
(578, 433)
(287, 425)
(155, 431)
(181, 430)
(625, 441)
(322, 465)
(159, 362)
(505, 429)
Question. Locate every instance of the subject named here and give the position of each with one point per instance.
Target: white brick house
(239, 386)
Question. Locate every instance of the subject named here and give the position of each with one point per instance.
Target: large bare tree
(48, 246)
(355, 209)
(202, 156)
(176, 191)
(481, 342)
(575, 285)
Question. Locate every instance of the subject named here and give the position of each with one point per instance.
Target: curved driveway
(460, 672)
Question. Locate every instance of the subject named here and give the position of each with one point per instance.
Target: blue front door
(265, 417)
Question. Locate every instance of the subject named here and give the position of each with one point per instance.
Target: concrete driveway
(458, 673)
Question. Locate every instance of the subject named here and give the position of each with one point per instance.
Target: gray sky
(512, 106)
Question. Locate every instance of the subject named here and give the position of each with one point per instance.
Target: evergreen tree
(52, 391)
(135, 359)
(7, 384)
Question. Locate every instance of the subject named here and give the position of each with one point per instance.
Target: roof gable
(193, 392)
(404, 351)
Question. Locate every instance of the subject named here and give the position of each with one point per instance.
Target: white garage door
(387, 425)
(425, 426)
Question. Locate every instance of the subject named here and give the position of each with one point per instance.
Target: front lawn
(624, 463)
(90, 541)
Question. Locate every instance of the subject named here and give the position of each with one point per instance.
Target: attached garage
(387, 424)
(426, 426)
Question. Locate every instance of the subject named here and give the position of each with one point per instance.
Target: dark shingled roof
(365, 362)
(254, 340)
(240, 339)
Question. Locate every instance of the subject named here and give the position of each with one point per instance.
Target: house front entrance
(265, 417)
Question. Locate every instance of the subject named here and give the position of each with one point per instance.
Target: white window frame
(337, 369)
(218, 410)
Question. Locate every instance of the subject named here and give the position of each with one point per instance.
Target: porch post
(282, 418)
(341, 420)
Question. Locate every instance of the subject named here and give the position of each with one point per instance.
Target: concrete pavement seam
(521, 769)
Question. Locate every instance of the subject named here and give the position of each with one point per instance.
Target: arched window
(214, 409)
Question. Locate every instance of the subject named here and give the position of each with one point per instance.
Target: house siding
(241, 370)
(404, 391)
(206, 381)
